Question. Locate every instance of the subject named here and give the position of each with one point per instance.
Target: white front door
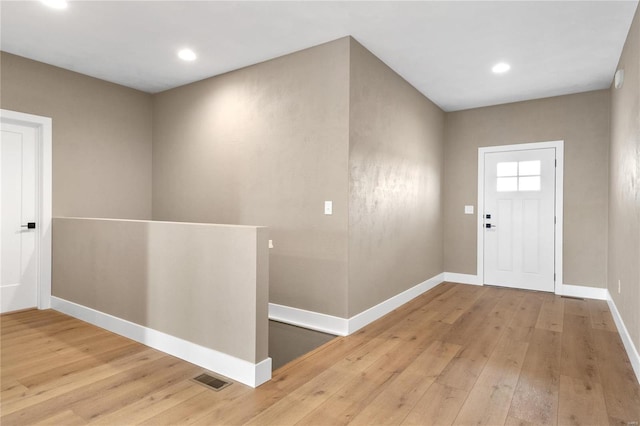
(18, 261)
(519, 219)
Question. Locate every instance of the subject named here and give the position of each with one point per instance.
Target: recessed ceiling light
(187, 55)
(55, 4)
(501, 67)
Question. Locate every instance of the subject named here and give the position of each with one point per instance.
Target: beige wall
(582, 121)
(266, 145)
(101, 137)
(207, 284)
(395, 175)
(624, 198)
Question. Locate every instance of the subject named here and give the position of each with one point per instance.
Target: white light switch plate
(468, 209)
(328, 207)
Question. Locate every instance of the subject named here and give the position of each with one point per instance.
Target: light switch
(270, 243)
(468, 209)
(328, 207)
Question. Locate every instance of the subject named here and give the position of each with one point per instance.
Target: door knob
(29, 225)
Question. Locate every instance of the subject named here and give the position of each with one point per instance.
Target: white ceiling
(443, 48)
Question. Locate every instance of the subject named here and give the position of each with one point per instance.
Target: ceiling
(444, 48)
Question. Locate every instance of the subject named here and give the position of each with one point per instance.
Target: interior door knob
(29, 225)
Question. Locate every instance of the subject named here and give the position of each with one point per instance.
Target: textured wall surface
(624, 198)
(582, 121)
(101, 137)
(203, 283)
(266, 145)
(395, 178)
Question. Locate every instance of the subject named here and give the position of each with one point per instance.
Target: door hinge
(555, 220)
(556, 162)
(554, 277)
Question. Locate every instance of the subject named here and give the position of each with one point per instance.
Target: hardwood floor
(456, 355)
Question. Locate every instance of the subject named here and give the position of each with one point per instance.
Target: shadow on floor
(288, 342)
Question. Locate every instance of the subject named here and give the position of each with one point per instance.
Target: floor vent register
(214, 383)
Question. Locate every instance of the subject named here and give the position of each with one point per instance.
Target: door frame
(44, 135)
(559, 201)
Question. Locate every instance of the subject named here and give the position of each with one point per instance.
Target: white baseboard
(309, 319)
(343, 326)
(632, 351)
(227, 365)
(561, 290)
(582, 291)
(381, 309)
(462, 278)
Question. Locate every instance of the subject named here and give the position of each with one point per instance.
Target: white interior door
(18, 261)
(519, 219)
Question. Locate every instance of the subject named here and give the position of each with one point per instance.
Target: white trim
(309, 319)
(343, 326)
(561, 289)
(454, 277)
(632, 351)
(227, 365)
(43, 126)
(559, 147)
(383, 308)
(582, 291)
(261, 373)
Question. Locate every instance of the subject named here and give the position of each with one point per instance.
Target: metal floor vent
(211, 382)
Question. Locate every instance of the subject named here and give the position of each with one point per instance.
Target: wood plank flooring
(457, 354)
